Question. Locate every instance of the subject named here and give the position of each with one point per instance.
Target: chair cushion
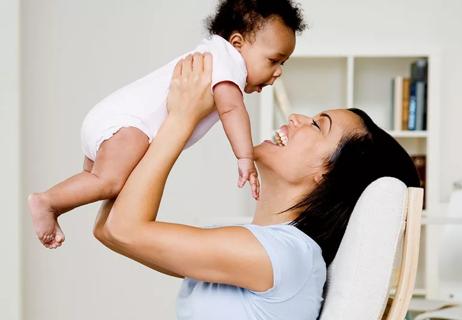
(359, 277)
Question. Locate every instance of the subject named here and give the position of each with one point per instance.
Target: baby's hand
(248, 172)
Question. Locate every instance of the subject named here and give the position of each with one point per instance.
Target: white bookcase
(313, 82)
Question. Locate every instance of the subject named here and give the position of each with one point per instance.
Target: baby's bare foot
(45, 221)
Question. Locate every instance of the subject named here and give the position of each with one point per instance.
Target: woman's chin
(264, 153)
(257, 149)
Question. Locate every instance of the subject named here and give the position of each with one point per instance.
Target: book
(420, 163)
(411, 121)
(409, 98)
(418, 95)
(397, 90)
(420, 105)
(405, 103)
(419, 70)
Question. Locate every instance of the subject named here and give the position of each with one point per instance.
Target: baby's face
(264, 56)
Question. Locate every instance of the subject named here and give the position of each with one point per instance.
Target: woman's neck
(275, 199)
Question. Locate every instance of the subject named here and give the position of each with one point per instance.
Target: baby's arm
(230, 105)
(236, 123)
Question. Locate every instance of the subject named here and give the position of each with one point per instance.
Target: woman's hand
(190, 98)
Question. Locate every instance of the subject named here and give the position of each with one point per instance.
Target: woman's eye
(273, 61)
(314, 123)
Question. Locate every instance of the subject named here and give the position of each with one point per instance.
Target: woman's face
(310, 142)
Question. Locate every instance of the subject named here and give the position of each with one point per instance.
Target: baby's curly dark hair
(248, 16)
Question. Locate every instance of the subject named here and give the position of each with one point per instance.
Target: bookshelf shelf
(420, 292)
(408, 134)
(316, 81)
(417, 292)
(438, 220)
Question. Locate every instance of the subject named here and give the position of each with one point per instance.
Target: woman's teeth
(280, 138)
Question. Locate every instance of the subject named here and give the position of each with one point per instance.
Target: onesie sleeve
(291, 259)
(228, 64)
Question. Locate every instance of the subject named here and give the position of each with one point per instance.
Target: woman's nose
(298, 119)
(293, 119)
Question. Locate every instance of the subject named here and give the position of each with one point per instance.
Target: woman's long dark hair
(359, 159)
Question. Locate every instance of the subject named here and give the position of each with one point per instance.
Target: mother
(274, 268)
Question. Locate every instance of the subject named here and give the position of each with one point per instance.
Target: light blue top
(299, 273)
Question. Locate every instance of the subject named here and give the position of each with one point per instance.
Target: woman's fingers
(208, 66)
(190, 95)
(177, 70)
(198, 63)
(186, 67)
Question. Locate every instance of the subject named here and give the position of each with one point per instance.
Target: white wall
(10, 242)
(76, 52)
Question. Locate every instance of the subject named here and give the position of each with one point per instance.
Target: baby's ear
(237, 40)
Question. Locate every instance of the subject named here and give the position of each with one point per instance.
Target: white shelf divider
(350, 81)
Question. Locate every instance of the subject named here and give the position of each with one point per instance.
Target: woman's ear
(318, 178)
(237, 40)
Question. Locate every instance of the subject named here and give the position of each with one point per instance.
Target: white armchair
(383, 231)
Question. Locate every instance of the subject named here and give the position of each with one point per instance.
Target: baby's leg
(87, 164)
(103, 179)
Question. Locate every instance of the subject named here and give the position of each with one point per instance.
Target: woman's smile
(280, 136)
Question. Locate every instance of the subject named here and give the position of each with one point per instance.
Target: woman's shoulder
(296, 260)
(286, 233)
(289, 245)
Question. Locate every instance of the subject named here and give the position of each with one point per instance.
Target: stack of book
(420, 163)
(410, 98)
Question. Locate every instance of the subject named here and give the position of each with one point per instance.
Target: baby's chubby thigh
(99, 126)
(116, 159)
(115, 143)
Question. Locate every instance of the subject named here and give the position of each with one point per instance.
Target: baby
(249, 41)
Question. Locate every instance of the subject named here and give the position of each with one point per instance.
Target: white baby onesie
(142, 104)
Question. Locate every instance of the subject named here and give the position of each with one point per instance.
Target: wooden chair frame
(398, 305)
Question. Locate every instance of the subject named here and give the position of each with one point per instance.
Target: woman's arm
(101, 233)
(229, 255)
